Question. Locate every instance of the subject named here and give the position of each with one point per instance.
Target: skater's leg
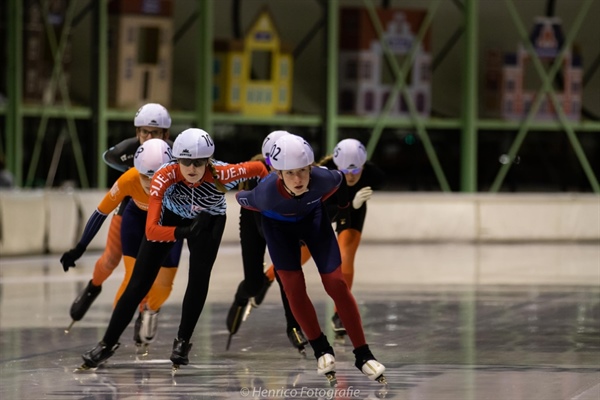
(146, 268)
(254, 283)
(144, 273)
(336, 288)
(147, 323)
(293, 330)
(163, 284)
(325, 358)
(270, 272)
(105, 265)
(300, 304)
(348, 239)
(161, 288)
(253, 255)
(203, 253)
(304, 257)
(289, 315)
(368, 365)
(129, 263)
(110, 258)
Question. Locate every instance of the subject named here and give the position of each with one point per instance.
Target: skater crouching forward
(187, 200)
(291, 204)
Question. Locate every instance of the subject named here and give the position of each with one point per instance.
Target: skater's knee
(334, 282)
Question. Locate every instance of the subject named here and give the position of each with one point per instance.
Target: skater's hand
(192, 230)
(68, 259)
(361, 196)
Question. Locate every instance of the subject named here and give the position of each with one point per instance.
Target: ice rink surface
(450, 321)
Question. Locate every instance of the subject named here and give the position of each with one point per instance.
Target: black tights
(203, 253)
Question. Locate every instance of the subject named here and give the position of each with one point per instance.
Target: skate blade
(339, 339)
(69, 327)
(381, 379)
(229, 341)
(302, 352)
(174, 369)
(84, 368)
(331, 378)
(382, 393)
(141, 349)
(340, 333)
(247, 311)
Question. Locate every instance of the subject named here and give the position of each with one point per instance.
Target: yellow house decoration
(253, 76)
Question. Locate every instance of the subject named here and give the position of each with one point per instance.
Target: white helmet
(269, 141)
(193, 143)
(349, 154)
(151, 155)
(152, 114)
(291, 152)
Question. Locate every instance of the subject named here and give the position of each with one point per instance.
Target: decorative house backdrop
(512, 83)
(140, 54)
(365, 77)
(253, 76)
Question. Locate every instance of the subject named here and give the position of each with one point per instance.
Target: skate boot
(136, 330)
(236, 314)
(179, 355)
(260, 296)
(297, 340)
(148, 325)
(98, 355)
(338, 327)
(325, 358)
(83, 302)
(368, 365)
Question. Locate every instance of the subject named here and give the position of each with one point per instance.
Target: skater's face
(352, 175)
(296, 180)
(192, 169)
(144, 133)
(145, 181)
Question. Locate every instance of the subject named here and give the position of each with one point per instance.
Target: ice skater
(151, 121)
(187, 201)
(291, 204)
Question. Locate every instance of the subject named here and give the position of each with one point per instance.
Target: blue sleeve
(92, 227)
(246, 199)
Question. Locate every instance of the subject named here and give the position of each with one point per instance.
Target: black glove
(68, 259)
(193, 229)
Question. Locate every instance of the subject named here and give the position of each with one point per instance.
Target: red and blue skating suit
(288, 220)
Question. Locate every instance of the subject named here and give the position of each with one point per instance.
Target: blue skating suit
(288, 220)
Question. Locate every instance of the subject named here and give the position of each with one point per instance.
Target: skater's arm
(120, 156)
(91, 228)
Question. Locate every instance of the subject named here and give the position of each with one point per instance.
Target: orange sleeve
(245, 170)
(120, 189)
(162, 180)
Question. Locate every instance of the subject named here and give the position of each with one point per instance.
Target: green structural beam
(400, 85)
(58, 80)
(547, 89)
(14, 79)
(100, 119)
(204, 77)
(468, 164)
(331, 108)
